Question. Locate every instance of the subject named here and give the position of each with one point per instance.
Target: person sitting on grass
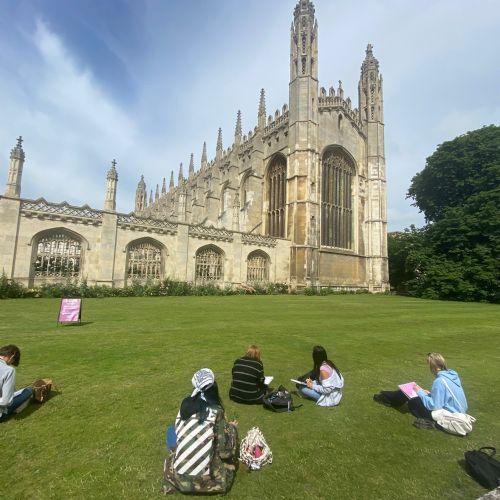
(325, 382)
(203, 449)
(10, 400)
(446, 393)
(247, 385)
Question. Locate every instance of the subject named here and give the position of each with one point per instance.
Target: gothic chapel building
(300, 199)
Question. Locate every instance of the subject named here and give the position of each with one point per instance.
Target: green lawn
(122, 374)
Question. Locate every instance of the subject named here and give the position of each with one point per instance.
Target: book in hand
(268, 380)
(408, 390)
(298, 381)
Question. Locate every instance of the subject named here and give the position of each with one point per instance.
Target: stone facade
(299, 199)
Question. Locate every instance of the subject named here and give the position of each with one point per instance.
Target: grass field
(122, 374)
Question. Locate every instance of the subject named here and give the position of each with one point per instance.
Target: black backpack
(483, 467)
(279, 400)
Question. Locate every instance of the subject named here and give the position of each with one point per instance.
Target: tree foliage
(456, 256)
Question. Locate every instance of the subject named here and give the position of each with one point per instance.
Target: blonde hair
(436, 362)
(253, 352)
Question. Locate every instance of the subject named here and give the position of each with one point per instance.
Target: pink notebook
(408, 390)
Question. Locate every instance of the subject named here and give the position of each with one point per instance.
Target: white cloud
(437, 59)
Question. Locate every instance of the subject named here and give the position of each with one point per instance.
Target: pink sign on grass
(70, 311)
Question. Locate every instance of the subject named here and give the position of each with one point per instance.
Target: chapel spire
(180, 177)
(218, 149)
(13, 187)
(261, 117)
(237, 129)
(204, 160)
(304, 42)
(171, 185)
(140, 195)
(191, 166)
(370, 89)
(111, 182)
(164, 186)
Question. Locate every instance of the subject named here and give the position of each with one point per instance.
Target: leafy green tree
(456, 256)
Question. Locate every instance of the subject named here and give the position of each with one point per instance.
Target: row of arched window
(58, 255)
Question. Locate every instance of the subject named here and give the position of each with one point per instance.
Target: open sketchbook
(408, 390)
(298, 381)
(268, 380)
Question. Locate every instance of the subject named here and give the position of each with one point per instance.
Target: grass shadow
(81, 323)
(34, 406)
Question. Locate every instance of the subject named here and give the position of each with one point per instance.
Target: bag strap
(493, 450)
(451, 392)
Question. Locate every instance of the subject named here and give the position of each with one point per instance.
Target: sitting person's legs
(418, 410)
(21, 400)
(391, 398)
(309, 393)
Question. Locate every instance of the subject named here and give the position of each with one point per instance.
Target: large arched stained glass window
(144, 261)
(257, 266)
(336, 200)
(209, 264)
(276, 190)
(58, 255)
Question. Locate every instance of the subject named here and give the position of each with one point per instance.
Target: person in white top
(325, 382)
(10, 400)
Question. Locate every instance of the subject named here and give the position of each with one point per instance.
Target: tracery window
(58, 255)
(208, 266)
(336, 201)
(276, 182)
(257, 266)
(144, 261)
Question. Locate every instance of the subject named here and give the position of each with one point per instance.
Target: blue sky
(147, 81)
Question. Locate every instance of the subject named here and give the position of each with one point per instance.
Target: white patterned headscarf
(202, 380)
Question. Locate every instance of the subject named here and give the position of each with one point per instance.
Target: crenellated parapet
(149, 224)
(210, 233)
(277, 123)
(258, 240)
(42, 209)
(336, 102)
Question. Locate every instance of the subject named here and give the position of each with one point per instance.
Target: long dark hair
(197, 404)
(320, 357)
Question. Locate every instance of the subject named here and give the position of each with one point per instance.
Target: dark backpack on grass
(483, 467)
(279, 400)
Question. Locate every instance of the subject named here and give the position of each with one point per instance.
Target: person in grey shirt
(10, 400)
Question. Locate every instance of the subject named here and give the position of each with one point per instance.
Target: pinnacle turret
(191, 165)
(112, 174)
(180, 177)
(171, 185)
(140, 195)
(218, 149)
(204, 160)
(111, 182)
(237, 129)
(13, 187)
(157, 193)
(370, 93)
(164, 186)
(370, 62)
(17, 152)
(219, 140)
(261, 117)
